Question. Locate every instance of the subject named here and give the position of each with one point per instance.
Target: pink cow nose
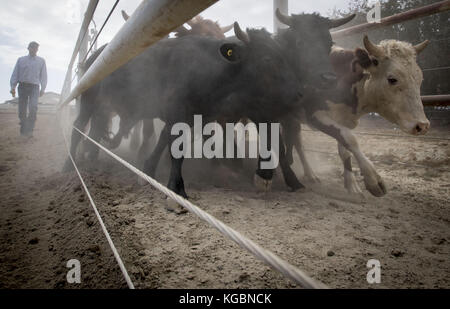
(421, 128)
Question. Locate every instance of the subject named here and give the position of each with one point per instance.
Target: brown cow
(201, 26)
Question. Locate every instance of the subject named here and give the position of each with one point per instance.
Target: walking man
(30, 72)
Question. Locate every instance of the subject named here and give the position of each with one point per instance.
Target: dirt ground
(46, 218)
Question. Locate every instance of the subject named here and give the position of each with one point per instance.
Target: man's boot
(23, 128)
(28, 128)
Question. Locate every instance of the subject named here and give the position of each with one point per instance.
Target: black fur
(178, 78)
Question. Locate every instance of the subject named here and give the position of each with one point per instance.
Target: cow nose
(421, 127)
(329, 79)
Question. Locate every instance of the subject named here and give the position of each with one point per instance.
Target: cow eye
(392, 81)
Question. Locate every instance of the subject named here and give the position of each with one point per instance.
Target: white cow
(386, 80)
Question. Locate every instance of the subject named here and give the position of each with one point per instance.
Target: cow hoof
(295, 185)
(173, 206)
(376, 186)
(262, 184)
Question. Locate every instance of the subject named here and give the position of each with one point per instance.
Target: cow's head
(308, 43)
(264, 74)
(201, 26)
(393, 87)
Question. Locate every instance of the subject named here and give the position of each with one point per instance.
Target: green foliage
(434, 28)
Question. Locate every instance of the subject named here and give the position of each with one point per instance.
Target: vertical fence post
(81, 54)
(83, 32)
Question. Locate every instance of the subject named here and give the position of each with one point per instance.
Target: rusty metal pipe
(436, 100)
(395, 19)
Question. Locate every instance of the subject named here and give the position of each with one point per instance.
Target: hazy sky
(55, 26)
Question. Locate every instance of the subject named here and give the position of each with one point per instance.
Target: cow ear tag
(229, 52)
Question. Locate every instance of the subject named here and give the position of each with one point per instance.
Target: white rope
(105, 231)
(264, 255)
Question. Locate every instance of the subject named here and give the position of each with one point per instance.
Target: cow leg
(290, 129)
(235, 164)
(86, 111)
(349, 178)
(98, 130)
(263, 177)
(309, 173)
(148, 129)
(289, 176)
(293, 138)
(114, 142)
(125, 126)
(151, 163)
(343, 135)
(135, 140)
(176, 183)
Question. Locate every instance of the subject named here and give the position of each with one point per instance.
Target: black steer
(306, 45)
(176, 79)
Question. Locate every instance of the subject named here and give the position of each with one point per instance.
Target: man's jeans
(28, 96)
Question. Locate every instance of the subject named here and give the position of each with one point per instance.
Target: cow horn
(226, 28)
(421, 46)
(125, 15)
(241, 35)
(334, 23)
(287, 20)
(373, 49)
